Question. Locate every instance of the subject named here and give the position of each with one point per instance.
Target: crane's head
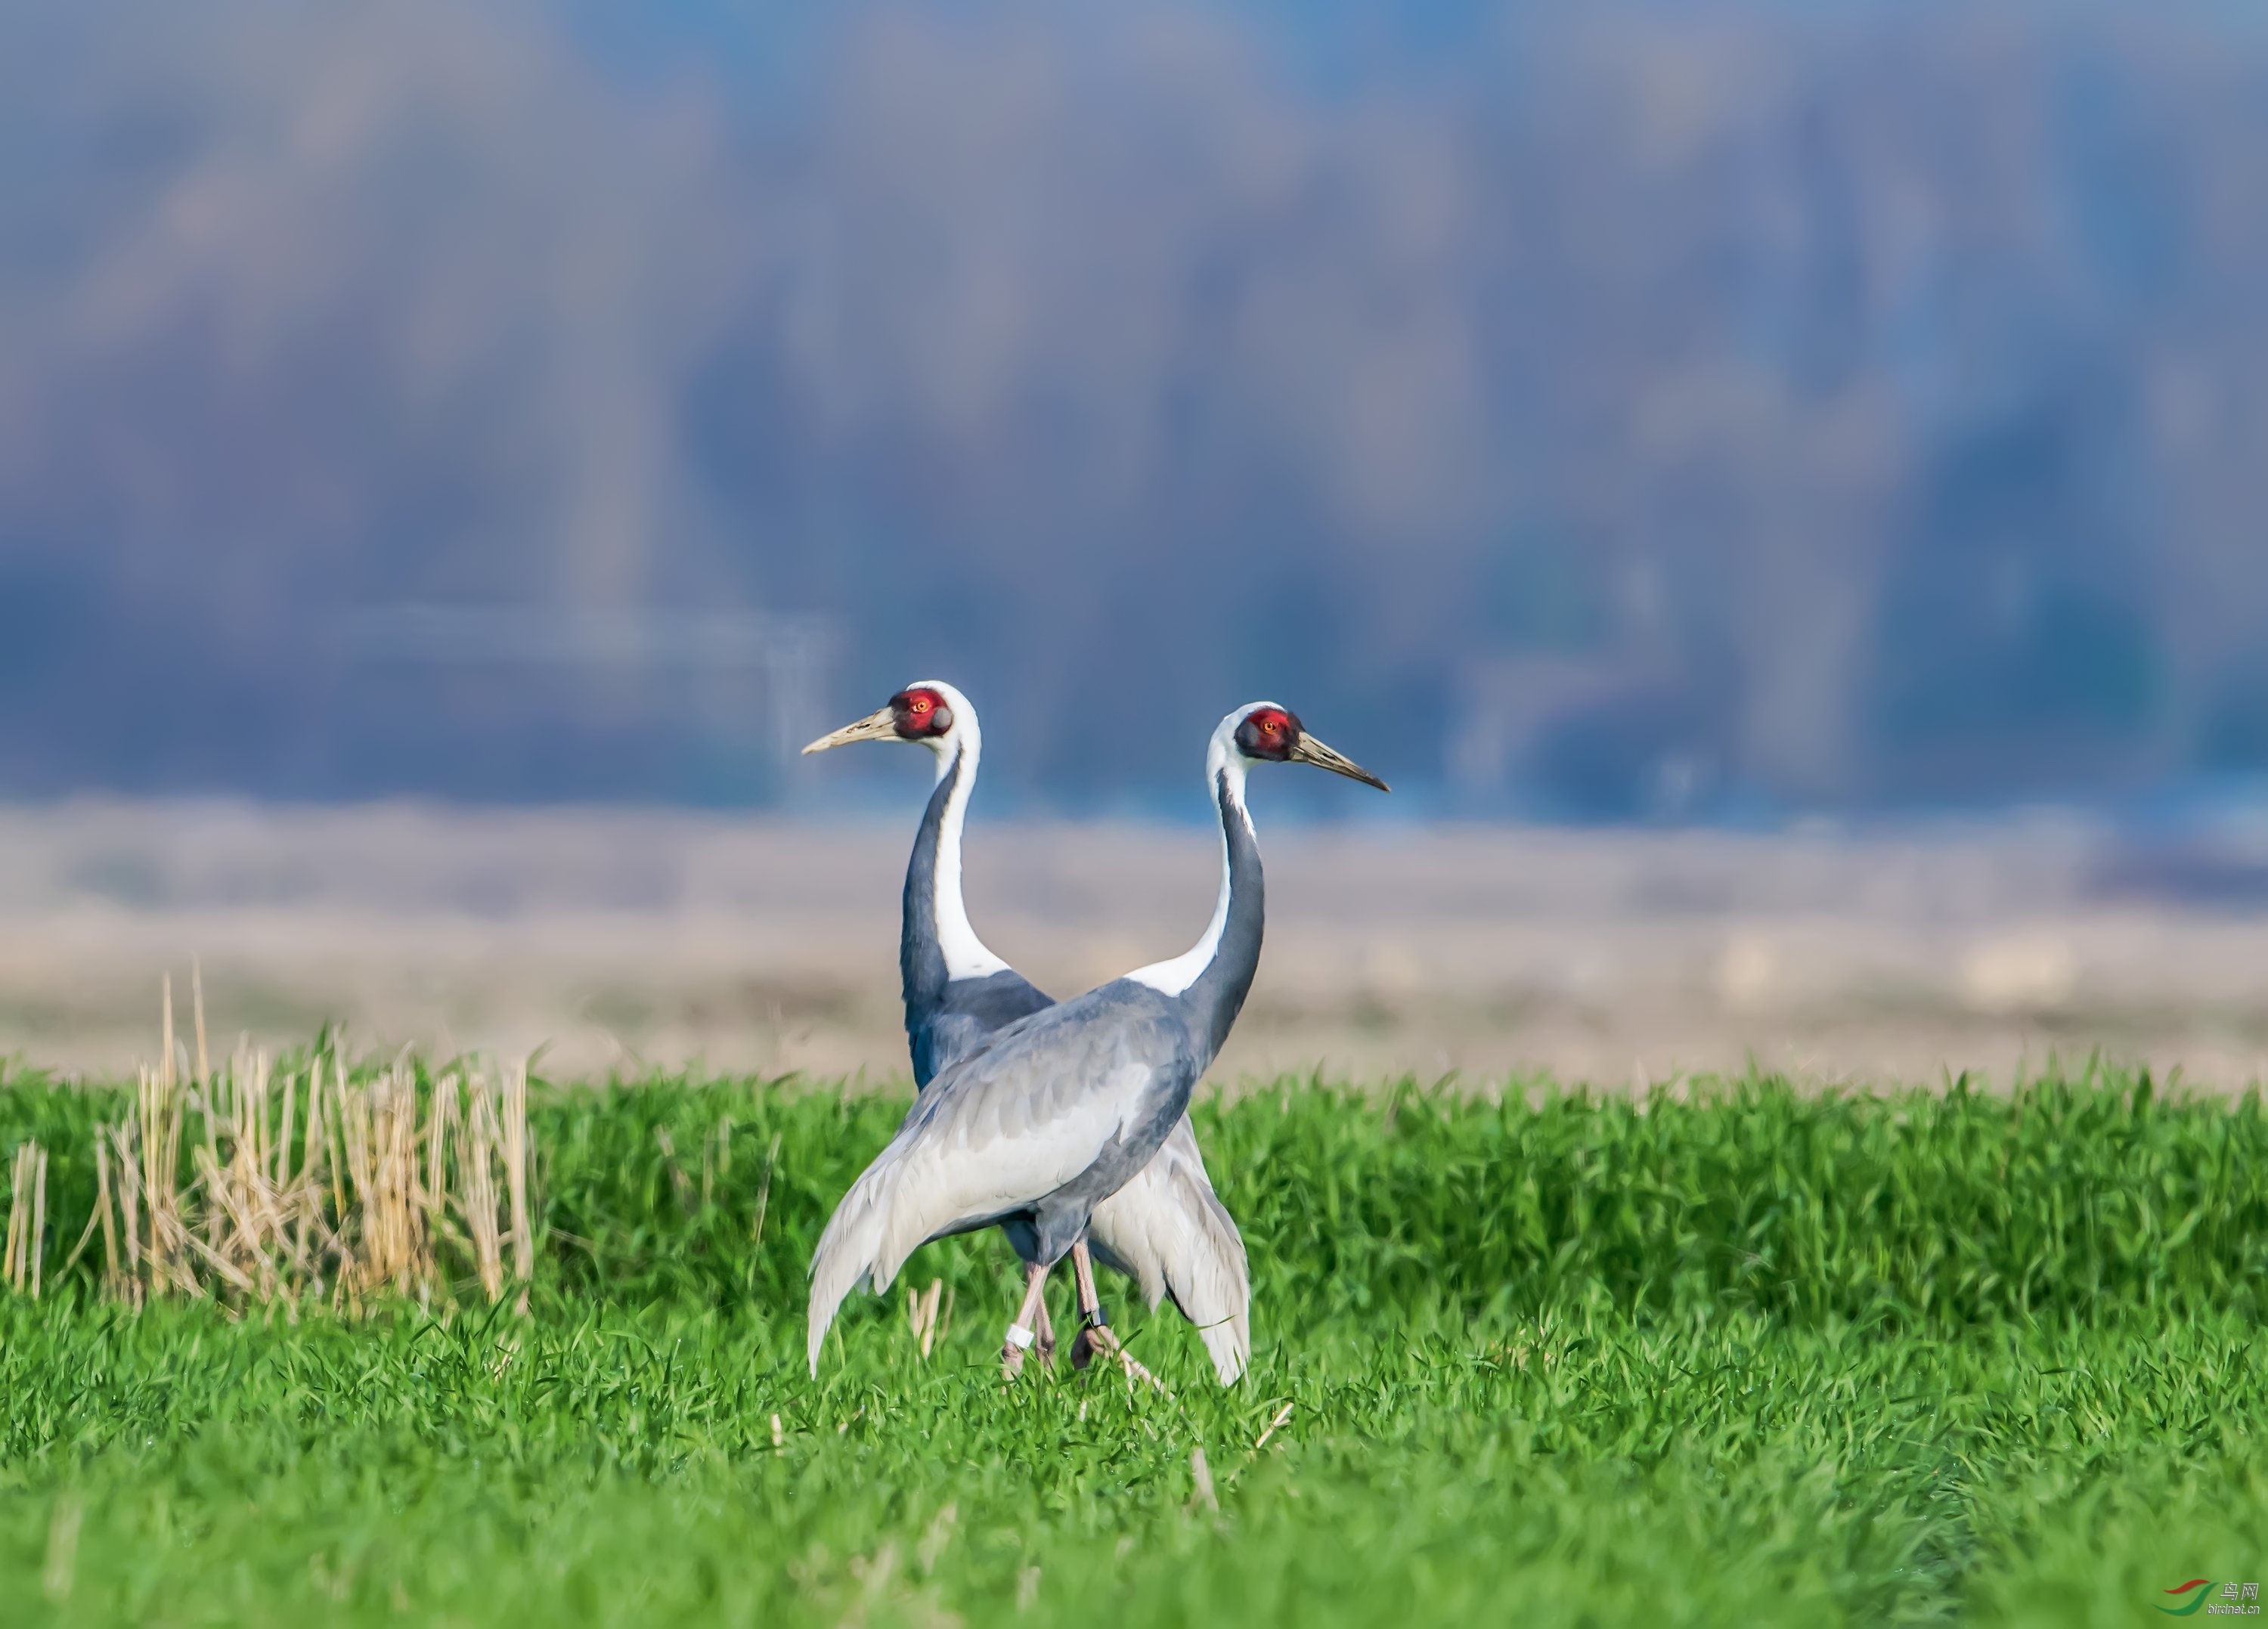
(931, 713)
(1263, 732)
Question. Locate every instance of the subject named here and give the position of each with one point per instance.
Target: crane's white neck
(1225, 768)
(958, 753)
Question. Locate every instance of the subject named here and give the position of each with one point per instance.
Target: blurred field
(624, 938)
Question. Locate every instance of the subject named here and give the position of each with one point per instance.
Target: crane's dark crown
(1268, 732)
(920, 713)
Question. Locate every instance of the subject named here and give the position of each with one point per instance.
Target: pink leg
(1096, 1335)
(1020, 1333)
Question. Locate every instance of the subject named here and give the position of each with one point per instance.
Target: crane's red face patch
(1268, 732)
(920, 714)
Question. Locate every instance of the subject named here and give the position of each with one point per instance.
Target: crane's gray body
(1035, 1076)
(1055, 1112)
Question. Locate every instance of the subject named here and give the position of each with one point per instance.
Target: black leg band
(1099, 1319)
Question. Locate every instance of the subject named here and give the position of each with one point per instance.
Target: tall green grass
(1741, 1355)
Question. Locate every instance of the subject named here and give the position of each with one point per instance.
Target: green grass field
(1749, 1356)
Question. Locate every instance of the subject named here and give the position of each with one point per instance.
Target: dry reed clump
(924, 1318)
(27, 1218)
(299, 1180)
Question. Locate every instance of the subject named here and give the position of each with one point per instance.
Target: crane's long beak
(1307, 750)
(879, 725)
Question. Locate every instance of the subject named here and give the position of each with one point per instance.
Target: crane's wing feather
(1168, 1230)
(967, 1016)
(998, 1132)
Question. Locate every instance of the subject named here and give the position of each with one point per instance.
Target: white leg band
(1021, 1338)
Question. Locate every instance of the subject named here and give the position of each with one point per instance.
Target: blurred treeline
(1598, 411)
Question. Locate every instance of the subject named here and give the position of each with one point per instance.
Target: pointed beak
(880, 725)
(1307, 750)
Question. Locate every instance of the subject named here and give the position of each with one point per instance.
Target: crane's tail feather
(1168, 1230)
(855, 1252)
(1229, 1343)
(1218, 1281)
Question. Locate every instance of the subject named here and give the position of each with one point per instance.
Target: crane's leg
(1095, 1336)
(1082, 1345)
(1020, 1333)
(1046, 1346)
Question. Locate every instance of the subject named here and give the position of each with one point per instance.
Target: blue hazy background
(1697, 411)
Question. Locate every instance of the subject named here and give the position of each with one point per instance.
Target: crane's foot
(1082, 1347)
(1096, 1337)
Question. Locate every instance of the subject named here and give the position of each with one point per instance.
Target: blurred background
(1776, 488)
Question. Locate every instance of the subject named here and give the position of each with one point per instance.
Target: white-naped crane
(1064, 1107)
(1166, 1229)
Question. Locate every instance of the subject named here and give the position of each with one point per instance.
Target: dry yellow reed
(515, 1176)
(25, 1256)
(130, 1212)
(110, 1275)
(479, 1188)
(352, 1196)
(922, 1314)
(18, 1217)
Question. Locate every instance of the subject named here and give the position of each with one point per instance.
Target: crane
(1067, 1104)
(1166, 1229)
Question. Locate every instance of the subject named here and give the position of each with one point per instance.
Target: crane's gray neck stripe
(1218, 995)
(1240, 855)
(937, 945)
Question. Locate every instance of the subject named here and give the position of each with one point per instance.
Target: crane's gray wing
(1003, 1130)
(1168, 1230)
(967, 1017)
